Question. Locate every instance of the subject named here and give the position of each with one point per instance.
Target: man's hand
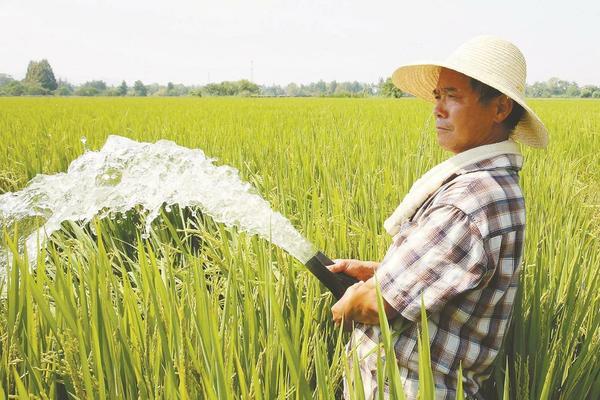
(359, 304)
(340, 310)
(361, 270)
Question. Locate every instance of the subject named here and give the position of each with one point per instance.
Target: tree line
(555, 87)
(40, 81)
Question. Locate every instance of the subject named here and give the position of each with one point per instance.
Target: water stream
(125, 174)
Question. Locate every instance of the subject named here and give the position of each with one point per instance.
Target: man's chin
(444, 139)
(448, 145)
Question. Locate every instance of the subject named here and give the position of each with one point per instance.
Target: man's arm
(443, 257)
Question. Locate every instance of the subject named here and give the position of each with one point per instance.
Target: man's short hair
(487, 93)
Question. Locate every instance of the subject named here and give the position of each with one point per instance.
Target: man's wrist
(363, 307)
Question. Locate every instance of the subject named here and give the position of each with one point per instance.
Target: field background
(211, 313)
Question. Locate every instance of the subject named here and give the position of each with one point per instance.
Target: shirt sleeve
(441, 257)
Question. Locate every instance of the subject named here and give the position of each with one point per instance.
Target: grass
(197, 311)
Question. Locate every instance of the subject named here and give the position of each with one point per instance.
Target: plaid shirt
(461, 252)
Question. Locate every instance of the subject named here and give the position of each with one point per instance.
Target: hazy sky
(302, 41)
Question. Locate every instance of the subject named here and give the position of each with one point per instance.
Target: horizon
(277, 43)
(282, 85)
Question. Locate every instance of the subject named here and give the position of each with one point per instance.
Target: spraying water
(125, 174)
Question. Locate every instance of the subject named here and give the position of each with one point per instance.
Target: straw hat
(491, 60)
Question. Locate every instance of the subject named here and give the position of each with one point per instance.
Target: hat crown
(498, 60)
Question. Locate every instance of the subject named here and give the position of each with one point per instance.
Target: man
(458, 234)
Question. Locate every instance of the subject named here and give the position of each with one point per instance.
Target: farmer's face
(461, 121)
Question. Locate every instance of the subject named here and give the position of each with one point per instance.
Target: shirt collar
(503, 161)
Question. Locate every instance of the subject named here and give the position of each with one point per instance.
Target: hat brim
(420, 79)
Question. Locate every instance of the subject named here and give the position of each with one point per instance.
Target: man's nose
(439, 110)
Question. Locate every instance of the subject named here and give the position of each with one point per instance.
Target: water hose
(337, 283)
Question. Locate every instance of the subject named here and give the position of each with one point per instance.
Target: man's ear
(504, 106)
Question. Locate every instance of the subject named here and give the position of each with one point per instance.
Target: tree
(5, 79)
(572, 90)
(274, 90)
(122, 89)
(35, 89)
(152, 89)
(557, 87)
(100, 86)
(92, 88)
(64, 88)
(40, 73)
(196, 92)
(355, 87)
(173, 90)
(332, 87)
(170, 89)
(292, 90)
(85, 90)
(247, 88)
(216, 89)
(321, 87)
(228, 88)
(588, 91)
(181, 90)
(14, 88)
(112, 91)
(388, 89)
(139, 89)
(538, 89)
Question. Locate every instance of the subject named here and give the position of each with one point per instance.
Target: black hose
(336, 283)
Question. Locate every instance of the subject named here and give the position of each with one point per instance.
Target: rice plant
(199, 311)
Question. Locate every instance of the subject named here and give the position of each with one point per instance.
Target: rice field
(199, 311)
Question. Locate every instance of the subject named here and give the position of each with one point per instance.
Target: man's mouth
(442, 128)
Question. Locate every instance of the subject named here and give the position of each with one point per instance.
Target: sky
(277, 42)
